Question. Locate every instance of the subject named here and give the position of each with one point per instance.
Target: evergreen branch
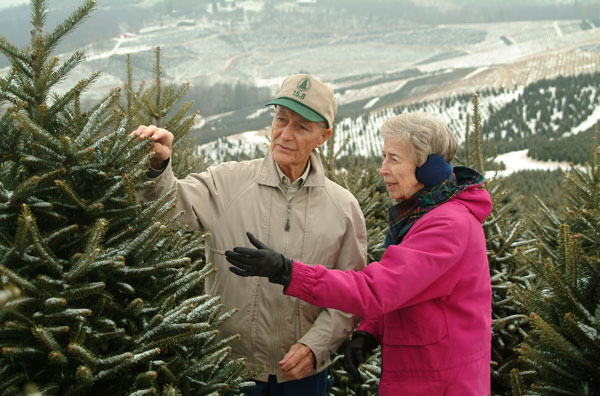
(140, 239)
(40, 82)
(557, 341)
(143, 392)
(19, 281)
(586, 335)
(515, 233)
(12, 52)
(22, 352)
(75, 198)
(18, 302)
(209, 360)
(34, 161)
(60, 74)
(81, 266)
(61, 233)
(61, 102)
(84, 377)
(504, 210)
(136, 359)
(70, 23)
(38, 14)
(184, 331)
(46, 338)
(49, 153)
(82, 292)
(39, 131)
(132, 145)
(218, 321)
(91, 127)
(129, 94)
(112, 190)
(49, 258)
(84, 354)
(73, 314)
(178, 121)
(200, 312)
(187, 282)
(158, 83)
(25, 98)
(116, 359)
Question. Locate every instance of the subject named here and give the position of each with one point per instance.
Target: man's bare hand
(298, 362)
(163, 143)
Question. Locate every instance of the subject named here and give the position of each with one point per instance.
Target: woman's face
(398, 169)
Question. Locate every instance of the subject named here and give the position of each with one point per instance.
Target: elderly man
(286, 201)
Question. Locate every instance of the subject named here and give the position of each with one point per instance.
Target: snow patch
(258, 113)
(371, 103)
(519, 160)
(587, 124)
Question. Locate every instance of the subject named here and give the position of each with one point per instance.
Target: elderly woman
(428, 301)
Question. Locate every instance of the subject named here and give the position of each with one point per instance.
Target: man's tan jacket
(326, 226)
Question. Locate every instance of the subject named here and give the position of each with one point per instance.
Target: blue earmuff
(434, 170)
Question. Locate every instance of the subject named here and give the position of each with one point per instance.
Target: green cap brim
(299, 108)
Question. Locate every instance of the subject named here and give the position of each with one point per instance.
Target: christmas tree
(507, 238)
(111, 295)
(561, 355)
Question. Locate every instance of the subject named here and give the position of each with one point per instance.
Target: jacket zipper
(287, 221)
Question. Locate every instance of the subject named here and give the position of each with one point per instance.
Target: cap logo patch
(304, 84)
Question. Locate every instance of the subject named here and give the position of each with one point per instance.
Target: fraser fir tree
(111, 299)
(506, 237)
(561, 356)
(361, 178)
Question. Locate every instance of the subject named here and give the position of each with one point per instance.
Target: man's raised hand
(163, 143)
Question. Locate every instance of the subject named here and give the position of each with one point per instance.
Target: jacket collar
(268, 175)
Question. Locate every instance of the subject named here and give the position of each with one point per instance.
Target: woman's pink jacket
(427, 302)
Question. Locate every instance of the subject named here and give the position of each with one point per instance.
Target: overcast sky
(10, 3)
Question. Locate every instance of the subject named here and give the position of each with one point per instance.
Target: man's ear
(326, 135)
(434, 170)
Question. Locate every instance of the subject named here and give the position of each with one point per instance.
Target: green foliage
(538, 183)
(572, 148)
(561, 356)
(111, 295)
(362, 179)
(505, 231)
(542, 114)
(157, 105)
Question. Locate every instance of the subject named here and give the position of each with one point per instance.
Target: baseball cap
(308, 97)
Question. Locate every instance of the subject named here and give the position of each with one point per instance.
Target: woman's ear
(434, 170)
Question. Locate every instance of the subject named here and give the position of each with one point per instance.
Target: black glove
(356, 352)
(262, 261)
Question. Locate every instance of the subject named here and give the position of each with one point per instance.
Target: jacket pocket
(421, 324)
(211, 285)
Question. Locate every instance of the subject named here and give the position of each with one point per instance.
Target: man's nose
(288, 131)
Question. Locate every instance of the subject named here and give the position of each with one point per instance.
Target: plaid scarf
(406, 213)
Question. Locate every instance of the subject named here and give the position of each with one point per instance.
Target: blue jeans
(315, 385)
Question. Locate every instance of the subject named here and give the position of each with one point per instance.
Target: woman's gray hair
(427, 134)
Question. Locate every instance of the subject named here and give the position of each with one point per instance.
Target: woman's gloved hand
(262, 261)
(357, 351)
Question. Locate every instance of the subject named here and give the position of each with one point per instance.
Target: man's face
(293, 138)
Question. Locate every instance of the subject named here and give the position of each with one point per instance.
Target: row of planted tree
(100, 294)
